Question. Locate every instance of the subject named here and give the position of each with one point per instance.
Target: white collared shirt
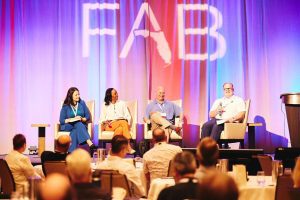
(231, 106)
(115, 111)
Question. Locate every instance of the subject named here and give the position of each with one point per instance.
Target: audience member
(184, 164)
(296, 174)
(161, 113)
(230, 108)
(115, 161)
(61, 150)
(217, 186)
(20, 164)
(56, 187)
(80, 172)
(157, 159)
(208, 154)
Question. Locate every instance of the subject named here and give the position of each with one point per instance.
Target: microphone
(220, 112)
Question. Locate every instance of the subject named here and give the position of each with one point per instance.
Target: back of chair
(265, 162)
(247, 105)
(91, 106)
(50, 167)
(283, 186)
(112, 178)
(132, 108)
(7, 180)
(171, 170)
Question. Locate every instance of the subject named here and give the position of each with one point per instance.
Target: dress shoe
(178, 130)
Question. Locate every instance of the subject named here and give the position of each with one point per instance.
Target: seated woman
(115, 115)
(73, 117)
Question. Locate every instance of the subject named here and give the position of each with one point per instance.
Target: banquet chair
(7, 180)
(91, 106)
(50, 167)
(171, 169)
(174, 137)
(112, 178)
(106, 136)
(283, 187)
(235, 132)
(265, 162)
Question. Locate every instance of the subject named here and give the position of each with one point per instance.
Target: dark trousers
(211, 129)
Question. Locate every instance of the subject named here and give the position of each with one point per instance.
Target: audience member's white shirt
(124, 167)
(115, 111)
(21, 168)
(156, 160)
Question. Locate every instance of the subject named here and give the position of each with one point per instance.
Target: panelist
(74, 115)
(115, 115)
(229, 108)
(161, 113)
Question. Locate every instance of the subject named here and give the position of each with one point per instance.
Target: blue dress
(78, 129)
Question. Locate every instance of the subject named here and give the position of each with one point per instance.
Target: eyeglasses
(228, 89)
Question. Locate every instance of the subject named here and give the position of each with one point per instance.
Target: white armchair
(174, 137)
(91, 107)
(235, 132)
(106, 136)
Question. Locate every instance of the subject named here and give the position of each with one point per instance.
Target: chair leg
(242, 144)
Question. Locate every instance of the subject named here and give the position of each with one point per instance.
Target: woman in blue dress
(74, 116)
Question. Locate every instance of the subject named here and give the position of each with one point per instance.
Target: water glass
(138, 162)
(261, 178)
(223, 165)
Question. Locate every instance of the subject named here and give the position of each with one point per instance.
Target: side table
(42, 135)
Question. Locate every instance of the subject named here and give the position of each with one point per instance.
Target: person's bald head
(55, 187)
(159, 135)
(160, 93)
(63, 143)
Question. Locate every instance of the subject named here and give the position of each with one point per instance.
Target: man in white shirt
(156, 160)
(230, 108)
(19, 164)
(119, 149)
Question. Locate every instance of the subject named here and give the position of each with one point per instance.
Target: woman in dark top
(74, 116)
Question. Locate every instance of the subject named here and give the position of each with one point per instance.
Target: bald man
(61, 150)
(161, 113)
(55, 187)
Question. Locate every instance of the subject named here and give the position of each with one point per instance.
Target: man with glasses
(229, 108)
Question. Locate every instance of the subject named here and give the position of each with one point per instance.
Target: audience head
(119, 145)
(184, 165)
(160, 93)
(218, 186)
(72, 97)
(111, 95)
(159, 135)
(296, 174)
(63, 143)
(79, 166)
(55, 187)
(19, 142)
(228, 89)
(208, 152)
